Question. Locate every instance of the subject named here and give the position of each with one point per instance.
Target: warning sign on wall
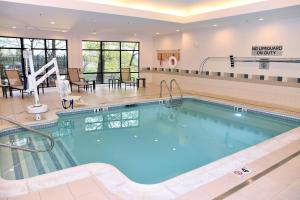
(275, 50)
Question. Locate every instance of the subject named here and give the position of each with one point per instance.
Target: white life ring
(172, 61)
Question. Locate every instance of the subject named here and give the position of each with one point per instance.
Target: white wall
(74, 42)
(221, 41)
(254, 93)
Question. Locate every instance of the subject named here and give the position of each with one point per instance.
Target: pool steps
(28, 164)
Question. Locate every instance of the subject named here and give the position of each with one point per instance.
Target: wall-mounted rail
(249, 59)
(43, 134)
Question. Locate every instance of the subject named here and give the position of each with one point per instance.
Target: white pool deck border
(121, 186)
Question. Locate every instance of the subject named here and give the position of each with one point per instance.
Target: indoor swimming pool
(148, 142)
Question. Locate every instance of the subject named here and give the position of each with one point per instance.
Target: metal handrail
(161, 84)
(177, 85)
(250, 59)
(50, 138)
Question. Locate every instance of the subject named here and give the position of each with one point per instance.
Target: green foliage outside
(110, 57)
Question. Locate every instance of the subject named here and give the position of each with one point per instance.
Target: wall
(196, 45)
(255, 93)
(74, 42)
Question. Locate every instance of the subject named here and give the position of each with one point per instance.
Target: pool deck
(213, 181)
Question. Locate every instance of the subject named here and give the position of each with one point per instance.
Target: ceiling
(179, 11)
(29, 16)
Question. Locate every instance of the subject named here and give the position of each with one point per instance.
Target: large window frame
(45, 49)
(102, 50)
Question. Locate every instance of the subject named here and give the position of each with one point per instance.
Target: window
(43, 50)
(104, 59)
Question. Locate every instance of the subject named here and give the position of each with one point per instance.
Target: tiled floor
(282, 183)
(84, 189)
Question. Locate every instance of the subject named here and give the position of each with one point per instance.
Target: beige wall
(74, 42)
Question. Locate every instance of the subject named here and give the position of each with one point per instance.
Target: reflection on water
(64, 128)
(126, 119)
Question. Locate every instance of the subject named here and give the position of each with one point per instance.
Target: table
(4, 90)
(93, 82)
(113, 82)
(138, 82)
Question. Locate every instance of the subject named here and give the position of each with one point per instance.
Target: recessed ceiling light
(94, 33)
(13, 27)
(157, 33)
(177, 30)
(261, 19)
(52, 22)
(215, 25)
(64, 31)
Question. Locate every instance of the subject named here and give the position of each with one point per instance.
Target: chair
(14, 81)
(76, 80)
(126, 77)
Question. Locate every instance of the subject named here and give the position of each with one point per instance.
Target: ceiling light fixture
(214, 25)
(13, 27)
(64, 31)
(157, 33)
(261, 19)
(94, 33)
(52, 22)
(177, 30)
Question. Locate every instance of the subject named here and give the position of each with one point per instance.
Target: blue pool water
(149, 143)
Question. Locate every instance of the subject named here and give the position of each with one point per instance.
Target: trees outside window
(43, 50)
(104, 59)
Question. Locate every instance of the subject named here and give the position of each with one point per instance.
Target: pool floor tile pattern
(60, 157)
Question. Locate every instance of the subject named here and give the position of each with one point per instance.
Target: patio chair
(76, 80)
(14, 81)
(126, 77)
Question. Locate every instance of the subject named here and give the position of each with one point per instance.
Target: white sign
(275, 50)
(242, 171)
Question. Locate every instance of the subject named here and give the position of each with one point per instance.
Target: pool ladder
(50, 138)
(172, 102)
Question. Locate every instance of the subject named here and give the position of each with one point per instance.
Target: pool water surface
(149, 143)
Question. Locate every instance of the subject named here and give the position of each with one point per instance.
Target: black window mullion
(23, 62)
(120, 63)
(46, 60)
